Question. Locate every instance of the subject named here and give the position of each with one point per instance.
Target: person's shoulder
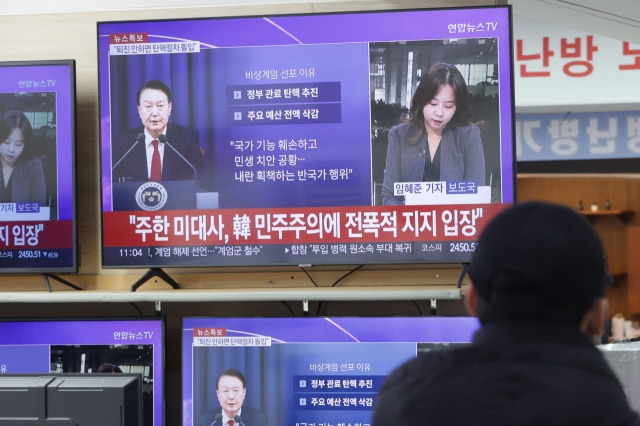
(177, 134)
(467, 132)
(422, 369)
(253, 412)
(208, 417)
(405, 133)
(403, 129)
(465, 136)
(410, 382)
(131, 135)
(253, 417)
(32, 164)
(179, 129)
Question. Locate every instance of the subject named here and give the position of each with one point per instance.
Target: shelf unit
(241, 295)
(612, 225)
(624, 215)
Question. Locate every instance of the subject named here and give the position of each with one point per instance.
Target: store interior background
(46, 30)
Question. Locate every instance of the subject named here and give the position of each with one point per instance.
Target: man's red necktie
(156, 164)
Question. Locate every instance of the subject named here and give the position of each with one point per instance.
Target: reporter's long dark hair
(17, 120)
(430, 85)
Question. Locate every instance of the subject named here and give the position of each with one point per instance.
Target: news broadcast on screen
(37, 184)
(346, 138)
(86, 347)
(300, 371)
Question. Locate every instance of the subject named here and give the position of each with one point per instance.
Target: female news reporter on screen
(438, 143)
(21, 180)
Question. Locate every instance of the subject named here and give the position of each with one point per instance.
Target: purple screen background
(24, 336)
(316, 29)
(353, 74)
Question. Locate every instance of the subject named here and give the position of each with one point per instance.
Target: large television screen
(37, 183)
(348, 138)
(297, 371)
(90, 346)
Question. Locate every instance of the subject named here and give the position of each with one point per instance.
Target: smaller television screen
(90, 347)
(37, 183)
(79, 400)
(300, 371)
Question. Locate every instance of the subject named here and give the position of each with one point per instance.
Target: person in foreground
(438, 143)
(538, 290)
(231, 391)
(22, 179)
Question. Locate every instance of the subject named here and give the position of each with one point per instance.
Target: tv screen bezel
(511, 120)
(71, 64)
(161, 318)
(279, 317)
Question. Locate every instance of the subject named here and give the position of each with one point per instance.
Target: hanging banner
(578, 136)
(560, 66)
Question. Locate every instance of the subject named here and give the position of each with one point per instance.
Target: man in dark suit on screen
(158, 151)
(231, 390)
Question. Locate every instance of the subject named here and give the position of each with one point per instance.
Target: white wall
(8, 7)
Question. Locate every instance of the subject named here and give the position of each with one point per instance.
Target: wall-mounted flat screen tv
(295, 371)
(88, 347)
(37, 154)
(345, 138)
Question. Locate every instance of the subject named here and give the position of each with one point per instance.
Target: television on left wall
(38, 179)
(86, 346)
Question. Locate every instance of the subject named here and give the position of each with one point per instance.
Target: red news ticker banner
(209, 332)
(34, 234)
(128, 38)
(297, 225)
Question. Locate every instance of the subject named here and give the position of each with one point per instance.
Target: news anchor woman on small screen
(438, 143)
(157, 151)
(22, 179)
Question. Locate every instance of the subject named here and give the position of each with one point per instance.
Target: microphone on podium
(238, 420)
(218, 417)
(163, 139)
(139, 138)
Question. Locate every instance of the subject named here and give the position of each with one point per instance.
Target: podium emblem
(151, 196)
